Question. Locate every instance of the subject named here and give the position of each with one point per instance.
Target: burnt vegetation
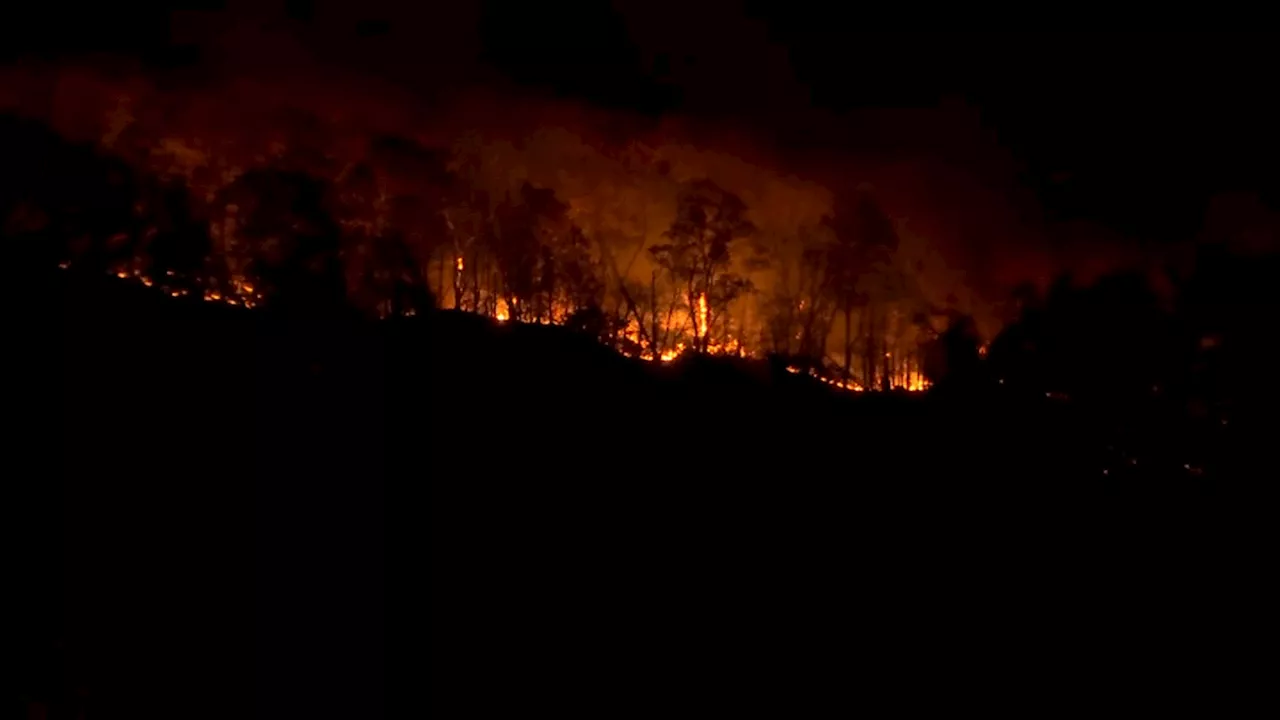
(421, 367)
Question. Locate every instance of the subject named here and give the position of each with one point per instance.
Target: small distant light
(1001, 381)
(1105, 471)
(1186, 466)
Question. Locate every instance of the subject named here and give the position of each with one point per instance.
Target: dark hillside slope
(320, 516)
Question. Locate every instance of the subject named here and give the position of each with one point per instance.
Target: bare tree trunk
(691, 301)
(460, 285)
(634, 311)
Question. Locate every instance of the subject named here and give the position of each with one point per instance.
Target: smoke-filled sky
(1006, 158)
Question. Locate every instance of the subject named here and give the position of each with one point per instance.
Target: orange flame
(905, 377)
(702, 316)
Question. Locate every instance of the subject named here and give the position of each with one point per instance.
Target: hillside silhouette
(290, 513)
(259, 480)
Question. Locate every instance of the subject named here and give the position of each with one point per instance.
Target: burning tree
(383, 272)
(524, 229)
(709, 222)
(545, 262)
(863, 245)
(579, 273)
(652, 332)
(423, 208)
(379, 219)
(801, 310)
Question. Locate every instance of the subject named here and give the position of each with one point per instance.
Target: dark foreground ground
(226, 514)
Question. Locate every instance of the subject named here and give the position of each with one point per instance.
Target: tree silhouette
(579, 273)
(424, 204)
(952, 359)
(359, 207)
(863, 247)
(801, 311)
(544, 260)
(519, 248)
(709, 222)
(283, 237)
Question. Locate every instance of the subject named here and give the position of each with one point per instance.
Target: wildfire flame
(702, 316)
(187, 142)
(243, 294)
(908, 382)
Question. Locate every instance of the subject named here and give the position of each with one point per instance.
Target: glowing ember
(460, 264)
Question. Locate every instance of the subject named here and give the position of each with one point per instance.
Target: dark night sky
(1134, 132)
